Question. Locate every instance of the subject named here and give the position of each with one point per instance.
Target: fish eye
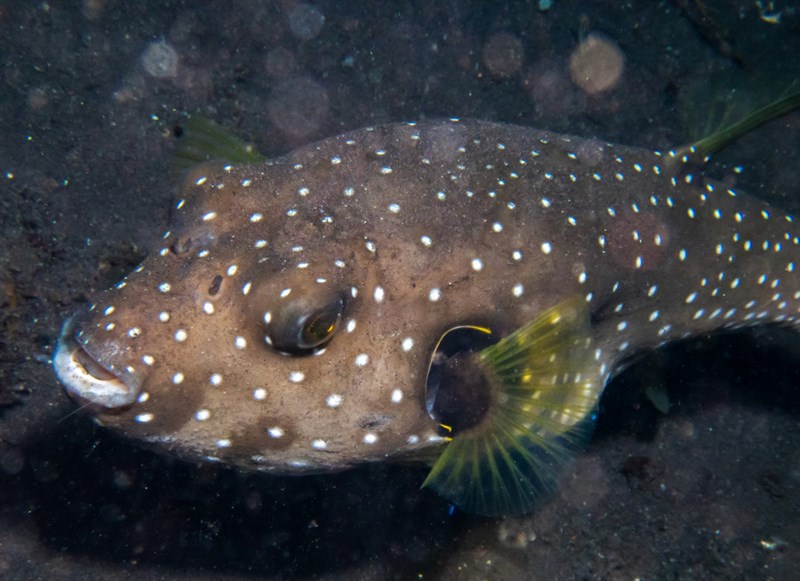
(318, 328)
(302, 326)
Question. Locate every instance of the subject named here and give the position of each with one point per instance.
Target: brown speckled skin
(546, 216)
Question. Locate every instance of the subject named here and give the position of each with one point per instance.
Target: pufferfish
(455, 291)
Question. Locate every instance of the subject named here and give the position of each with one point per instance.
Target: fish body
(288, 321)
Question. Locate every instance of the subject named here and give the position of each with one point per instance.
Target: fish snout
(92, 374)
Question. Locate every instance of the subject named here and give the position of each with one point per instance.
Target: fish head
(261, 332)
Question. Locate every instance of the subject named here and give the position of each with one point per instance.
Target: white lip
(109, 393)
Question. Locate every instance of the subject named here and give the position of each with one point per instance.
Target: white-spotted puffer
(291, 322)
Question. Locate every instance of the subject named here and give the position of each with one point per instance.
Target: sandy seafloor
(89, 103)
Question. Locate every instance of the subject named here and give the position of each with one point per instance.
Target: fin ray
(546, 383)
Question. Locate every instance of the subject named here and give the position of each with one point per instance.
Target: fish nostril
(216, 285)
(181, 247)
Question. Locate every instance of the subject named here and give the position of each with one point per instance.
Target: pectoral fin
(543, 384)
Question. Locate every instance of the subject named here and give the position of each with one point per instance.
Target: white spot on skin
(208, 308)
(259, 394)
(397, 396)
(351, 325)
(370, 438)
(223, 443)
(148, 360)
(378, 294)
(334, 400)
(240, 342)
(319, 444)
(163, 316)
(408, 344)
(177, 379)
(215, 379)
(547, 248)
(297, 376)
(426, 241)
(275, 432)
(144, 418)
(362, 359)
(518, 290)
(181, 335)
(477, 264)
(164, 287)
(202, 415)
(434, 295)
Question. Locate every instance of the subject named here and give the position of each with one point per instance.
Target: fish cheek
(255, 439)
(166, 410)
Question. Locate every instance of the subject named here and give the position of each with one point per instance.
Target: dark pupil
(319, 327)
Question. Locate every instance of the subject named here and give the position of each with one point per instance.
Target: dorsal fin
(203, 140)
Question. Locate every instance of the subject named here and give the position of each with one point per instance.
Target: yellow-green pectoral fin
(544, 381)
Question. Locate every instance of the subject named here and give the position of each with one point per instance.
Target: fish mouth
(88, 381)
